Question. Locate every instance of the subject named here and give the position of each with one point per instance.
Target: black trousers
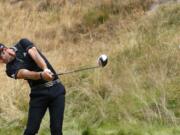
(52, 98)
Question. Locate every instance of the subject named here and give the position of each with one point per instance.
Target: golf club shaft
(78, 70)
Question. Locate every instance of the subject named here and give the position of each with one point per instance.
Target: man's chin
(9, 60)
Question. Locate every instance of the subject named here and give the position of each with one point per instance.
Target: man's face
(5, 57)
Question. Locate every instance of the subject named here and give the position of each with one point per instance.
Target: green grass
(145, 74)
(138, 92)
(122, 128)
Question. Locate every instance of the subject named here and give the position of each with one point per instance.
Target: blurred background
(138, 93)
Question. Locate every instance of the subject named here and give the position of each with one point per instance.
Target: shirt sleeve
(26, 44)
(12, 69)
(12, 73)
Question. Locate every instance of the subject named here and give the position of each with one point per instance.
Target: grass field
(136, 94)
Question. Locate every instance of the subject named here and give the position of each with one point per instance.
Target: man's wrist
(41, 76)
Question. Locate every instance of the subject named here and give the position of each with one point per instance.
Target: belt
(47, 84)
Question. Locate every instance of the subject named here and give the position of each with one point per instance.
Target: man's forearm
(37, 58)
(26, 74)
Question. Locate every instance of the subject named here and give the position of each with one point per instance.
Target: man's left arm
(33, 52)
(35, 55)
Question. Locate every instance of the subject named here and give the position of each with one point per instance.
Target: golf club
(102, 62)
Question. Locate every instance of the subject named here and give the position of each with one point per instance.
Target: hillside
(136, 94)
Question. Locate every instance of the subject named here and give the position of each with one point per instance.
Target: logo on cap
(2, 46)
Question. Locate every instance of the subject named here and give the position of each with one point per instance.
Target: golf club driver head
(102, 60)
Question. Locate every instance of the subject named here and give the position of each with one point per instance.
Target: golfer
(25, 61)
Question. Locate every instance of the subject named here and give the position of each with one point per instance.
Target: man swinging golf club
(25, 61)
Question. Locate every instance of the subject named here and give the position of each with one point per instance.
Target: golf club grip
(78, 70)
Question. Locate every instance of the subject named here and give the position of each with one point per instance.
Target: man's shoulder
(16, 47)
(25, 41)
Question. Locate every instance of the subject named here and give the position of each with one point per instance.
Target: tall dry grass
(139, 86)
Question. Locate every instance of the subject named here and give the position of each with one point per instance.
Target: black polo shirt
(24, 61)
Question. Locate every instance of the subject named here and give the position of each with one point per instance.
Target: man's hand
(47, 75)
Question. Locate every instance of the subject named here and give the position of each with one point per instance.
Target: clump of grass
(89, 131)
(46, 5)
(95, 17)
(99, 15)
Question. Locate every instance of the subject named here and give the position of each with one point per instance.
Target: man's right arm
(27, 74)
